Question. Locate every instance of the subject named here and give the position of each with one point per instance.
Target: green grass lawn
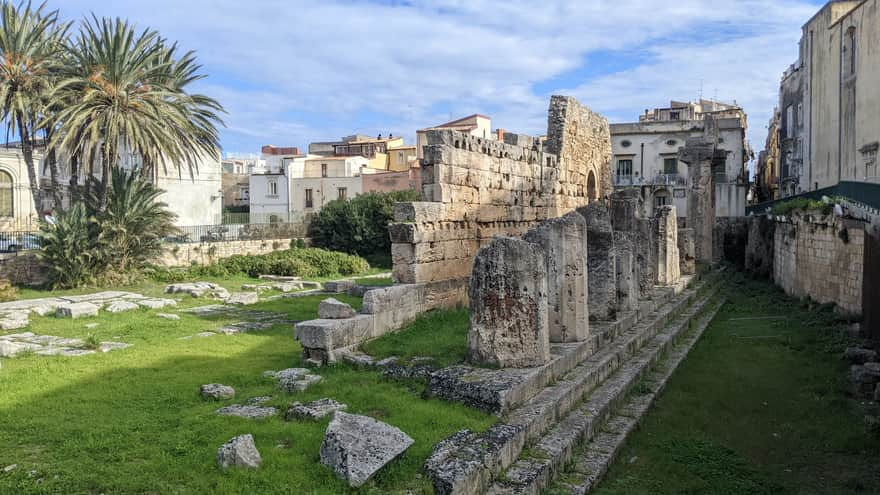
(132, 421)
(758, 407)
(440, 334)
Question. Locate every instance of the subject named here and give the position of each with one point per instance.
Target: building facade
(645, 155)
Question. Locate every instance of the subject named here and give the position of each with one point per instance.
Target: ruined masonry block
(334, 334)
(77, 310)
(565, 242)
(627, 272)
(601, 267)
(508, 301)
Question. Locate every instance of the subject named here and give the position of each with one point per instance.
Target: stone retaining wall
(207, 252)
(821, 257)
(475, 189)
(23, 269)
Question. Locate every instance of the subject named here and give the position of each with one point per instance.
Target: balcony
(657, 180)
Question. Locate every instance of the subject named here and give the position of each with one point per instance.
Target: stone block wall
(207, 252)
(821, 257)
(475, 189)
(23, 269)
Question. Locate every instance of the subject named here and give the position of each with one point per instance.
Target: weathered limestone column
(565, 242)
(627, 272)
(699, 153)
(667, 246)
(686, 264)
(508, 301)
(601, 268)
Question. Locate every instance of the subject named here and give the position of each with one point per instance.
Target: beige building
(383, 153)
(839, 64)
(16, 202)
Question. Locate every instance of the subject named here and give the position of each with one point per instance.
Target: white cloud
(293, 72)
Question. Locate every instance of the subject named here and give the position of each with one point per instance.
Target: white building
(301, 185)
(645, 155)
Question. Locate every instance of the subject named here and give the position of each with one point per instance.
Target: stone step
(607, 417)
(589, 466)
(499, 391)
(468, 462)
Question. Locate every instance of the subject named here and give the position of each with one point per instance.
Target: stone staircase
(581, 402)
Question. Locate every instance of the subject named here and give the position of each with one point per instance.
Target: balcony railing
(657, 180)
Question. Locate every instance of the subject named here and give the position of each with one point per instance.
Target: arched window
(6, 209)
(591, 187)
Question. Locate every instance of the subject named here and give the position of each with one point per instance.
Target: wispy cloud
(293, 72)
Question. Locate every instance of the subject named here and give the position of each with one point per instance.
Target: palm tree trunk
(57, 199)
(27, 150)
(73, 190)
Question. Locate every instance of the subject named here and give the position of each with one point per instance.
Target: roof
(469, 122)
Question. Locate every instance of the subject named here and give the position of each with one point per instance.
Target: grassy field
(758, 407)
(132, 421)
(441, 335)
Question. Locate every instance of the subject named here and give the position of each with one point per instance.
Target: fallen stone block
(120, 306)
(247, 412)
(334, 334)
(339, 286)
(112, 346)
(168, 316)
(242, 298)
(43, 309)
(216, 391)
(13, 324)
(157, 303)
(857, 355)
(288, 374)
(314, 410)
(356, 447)
(240, 451)
(333, 309)
(298, 385)
(198, 289)
(10, 349)
(77, 310)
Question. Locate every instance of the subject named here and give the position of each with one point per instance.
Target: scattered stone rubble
(240, 451)
(247, 411)
(14, 314)
(252, 320)
(242, 298)
(294, 379)
(48, 345)
(314, 410)
(198, 289)
(77, 310)
(333, 309)
(216, 391)
(356, 447)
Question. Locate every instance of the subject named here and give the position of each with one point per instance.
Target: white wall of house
(195, 197)
(16, 204)
(270, 193)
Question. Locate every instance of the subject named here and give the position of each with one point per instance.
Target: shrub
(359, 225)
(8, 292)
(91, 243)
(295, 262)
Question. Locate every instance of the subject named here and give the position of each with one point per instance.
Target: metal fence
(20, 240)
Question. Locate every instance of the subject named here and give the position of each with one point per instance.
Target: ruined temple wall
(475, 189)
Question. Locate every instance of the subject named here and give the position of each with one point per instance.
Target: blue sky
(291, 72)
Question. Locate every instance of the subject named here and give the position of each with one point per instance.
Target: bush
(294, 262)
(359, 225)
(91, 243)
(8, 292)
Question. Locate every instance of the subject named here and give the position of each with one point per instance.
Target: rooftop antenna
(701, 89)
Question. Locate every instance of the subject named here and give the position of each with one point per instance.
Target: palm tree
(124, 94)
(31, 40)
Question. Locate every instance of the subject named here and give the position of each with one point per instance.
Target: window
(670, 165)
(624, 167)
(309, 202)
(273, 187)
(671, 142)
(6, 209)
(626, 143)
(660, 200)
(323, 170)
(800, 115)
(400, 158)
(789, 122)
(244, 193)
(342, 192)
(674, 115)
(850, 51)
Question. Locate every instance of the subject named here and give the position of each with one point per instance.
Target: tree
(31, 40)
(124, 95)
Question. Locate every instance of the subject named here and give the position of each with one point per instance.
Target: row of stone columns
(545, 287)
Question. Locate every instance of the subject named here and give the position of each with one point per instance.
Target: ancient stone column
(686, 264)
(601, 269)
(627, 272)
(699, 153)
(565, 242)
(508, 302)
(667, 246)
